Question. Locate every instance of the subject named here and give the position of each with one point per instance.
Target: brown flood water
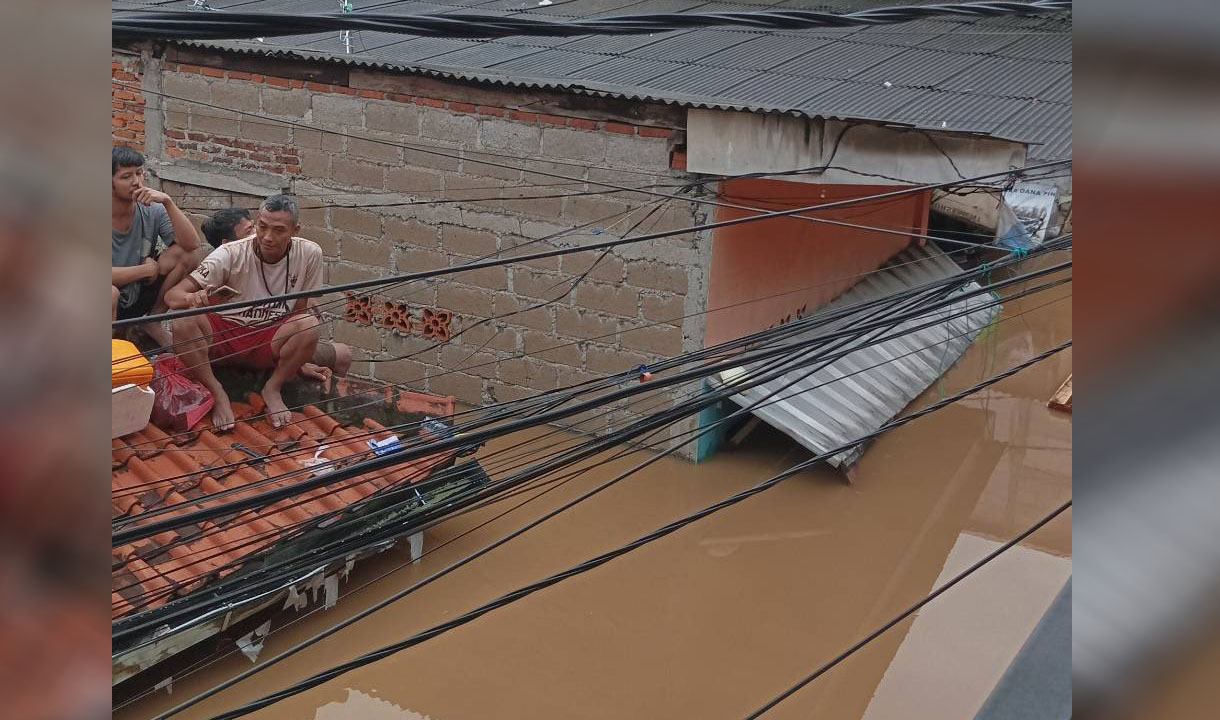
(716, 619)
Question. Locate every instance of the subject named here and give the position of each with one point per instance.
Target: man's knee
(175, 257)
(114, 295)
(189, 327)
(307, 327)
(301, 331)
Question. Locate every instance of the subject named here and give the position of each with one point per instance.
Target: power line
(141, 487)
(695, 435)
(404, 385)
(170, 25)
(359, 285)
(598, 561)
(478, 436)
(586, 454)
(909, 611)
(596, 446)
(793, 328)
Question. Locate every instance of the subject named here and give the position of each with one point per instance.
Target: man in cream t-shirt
(278, 335)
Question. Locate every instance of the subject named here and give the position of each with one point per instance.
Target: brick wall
(127, 105)
(487, 158)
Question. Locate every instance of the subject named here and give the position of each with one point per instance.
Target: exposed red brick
(621, 128)
(212, 72)
(297, 84)
(582, 124)
(371, 94)
(399, 97)
(117, 121)
(239, 75)
(488, 110)
(523, 116)
(176, 134)
(677, 160)
(278, 82)
(429, 102)
(655, 132)
(553, 119)
(461, 107)
(184, 68)
(340, 89)
(319, 87)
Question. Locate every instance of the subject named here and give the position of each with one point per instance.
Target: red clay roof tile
(206, 462)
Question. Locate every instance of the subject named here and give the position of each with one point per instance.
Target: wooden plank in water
(1062, 399)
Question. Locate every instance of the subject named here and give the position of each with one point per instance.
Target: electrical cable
(404, 385)
(125, 536)
(595, 562)
(398, 596)
(930, 324)
(172, 25)
(359, 285)
(910, 610)
(627, 189)
(257, 326)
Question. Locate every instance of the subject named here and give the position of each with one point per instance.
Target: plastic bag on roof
(181, 402)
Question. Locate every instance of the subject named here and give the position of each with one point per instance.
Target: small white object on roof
(386, 446)
(251, 644)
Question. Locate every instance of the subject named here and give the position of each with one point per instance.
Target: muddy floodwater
(716, 619)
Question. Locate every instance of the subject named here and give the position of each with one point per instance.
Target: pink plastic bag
(181, 402)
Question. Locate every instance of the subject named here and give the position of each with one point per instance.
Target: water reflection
(366, 707)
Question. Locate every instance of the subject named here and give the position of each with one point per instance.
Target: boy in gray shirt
(153, 244)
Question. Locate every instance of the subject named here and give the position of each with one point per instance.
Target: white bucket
(130, 407)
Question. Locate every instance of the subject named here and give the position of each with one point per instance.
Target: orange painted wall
(816, 261)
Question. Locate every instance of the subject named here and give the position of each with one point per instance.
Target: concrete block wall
(408, 183)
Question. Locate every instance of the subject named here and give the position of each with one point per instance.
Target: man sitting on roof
(152, 243)
(273, 335)
(329, 359)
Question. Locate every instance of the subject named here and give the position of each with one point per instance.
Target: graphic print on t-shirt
(237, 265)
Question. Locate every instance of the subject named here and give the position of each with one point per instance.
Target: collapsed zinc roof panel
(857, 394)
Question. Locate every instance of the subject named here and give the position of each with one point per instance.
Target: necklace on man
(262, 269)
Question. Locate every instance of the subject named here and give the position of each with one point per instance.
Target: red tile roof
(151, 470)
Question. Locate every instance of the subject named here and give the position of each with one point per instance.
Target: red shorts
(233, 342)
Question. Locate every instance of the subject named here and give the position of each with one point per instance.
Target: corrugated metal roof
(859, 393)
(976, 67)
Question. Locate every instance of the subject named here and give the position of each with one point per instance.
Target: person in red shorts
(274, 335)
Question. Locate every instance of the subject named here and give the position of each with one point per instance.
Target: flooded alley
(718, 618)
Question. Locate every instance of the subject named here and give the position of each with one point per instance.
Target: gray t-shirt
(150, 223)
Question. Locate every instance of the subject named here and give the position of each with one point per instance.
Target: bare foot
(222, 412)
(277, 411)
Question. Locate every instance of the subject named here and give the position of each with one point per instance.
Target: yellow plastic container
(127, 365)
